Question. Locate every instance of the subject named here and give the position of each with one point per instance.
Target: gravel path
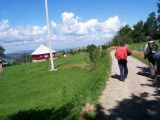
(136, 98)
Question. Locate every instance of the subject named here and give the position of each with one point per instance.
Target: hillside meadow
(32, 92)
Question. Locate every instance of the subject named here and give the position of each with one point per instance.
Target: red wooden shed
(42, 53)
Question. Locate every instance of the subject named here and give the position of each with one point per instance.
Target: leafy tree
(138, 32)
(124, 30)
(2, 52)
(158, 18)
(151, 26)
(93, 53)
(123, 34)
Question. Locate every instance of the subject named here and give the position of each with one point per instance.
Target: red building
(42, 53)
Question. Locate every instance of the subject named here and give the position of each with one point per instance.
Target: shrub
(93, 53)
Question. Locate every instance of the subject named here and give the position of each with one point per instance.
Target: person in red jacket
(121, 54)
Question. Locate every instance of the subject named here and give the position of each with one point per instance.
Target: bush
(93, 53)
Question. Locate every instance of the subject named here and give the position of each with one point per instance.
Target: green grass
(140, 46)
(31, 91)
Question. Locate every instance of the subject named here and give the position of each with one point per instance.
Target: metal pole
(99, 38)
(99, 34)
(49, 35)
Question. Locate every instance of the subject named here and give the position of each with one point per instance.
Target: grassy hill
(32, 92)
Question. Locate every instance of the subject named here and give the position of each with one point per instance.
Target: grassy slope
(31, 91)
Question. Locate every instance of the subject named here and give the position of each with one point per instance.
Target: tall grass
(139, 55)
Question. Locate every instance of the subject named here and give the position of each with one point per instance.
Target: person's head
(152, 45)
(122, 43)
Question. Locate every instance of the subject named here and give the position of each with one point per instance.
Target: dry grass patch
(139, 55)
(88, 108)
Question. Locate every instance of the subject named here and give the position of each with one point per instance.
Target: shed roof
(42, 50)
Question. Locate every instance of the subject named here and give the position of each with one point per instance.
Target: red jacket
(122, 52)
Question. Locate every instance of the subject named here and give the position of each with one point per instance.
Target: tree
(93, 53)
(151, 26)
(158, 18)
(124, 30)
(123, 34)
(138, 32)
(2, 52)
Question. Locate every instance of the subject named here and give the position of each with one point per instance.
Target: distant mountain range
(22, 52)
(10, 57)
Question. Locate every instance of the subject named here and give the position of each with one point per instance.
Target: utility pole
(49, 35)
(99, 38)
(99, 34)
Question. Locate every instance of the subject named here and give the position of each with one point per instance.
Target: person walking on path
(121, 54)
(149, 52)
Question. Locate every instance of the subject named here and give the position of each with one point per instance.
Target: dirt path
(137, 98)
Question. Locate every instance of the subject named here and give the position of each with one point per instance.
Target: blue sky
(22, 22)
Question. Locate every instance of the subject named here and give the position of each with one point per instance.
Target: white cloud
(4, 25)
(71, 25)
(71, 32)
(66, 16)
(54, 24)
(111, 24)
(75, 32)
(10, 34)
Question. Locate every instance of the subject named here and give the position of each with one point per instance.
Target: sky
(74, 23)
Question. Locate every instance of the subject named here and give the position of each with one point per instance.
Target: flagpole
(49, 35)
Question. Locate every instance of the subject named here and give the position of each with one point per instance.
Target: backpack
(121, 53)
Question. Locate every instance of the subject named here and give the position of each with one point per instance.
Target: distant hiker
(121, 53)
(151, 53)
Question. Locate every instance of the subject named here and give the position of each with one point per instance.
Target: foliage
(93, 53)
(123, 35)
(151, 26)
(138, 33)
(2, 52)
(158, 18)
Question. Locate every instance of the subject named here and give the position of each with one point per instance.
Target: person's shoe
(125, 77)
(121, 79)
